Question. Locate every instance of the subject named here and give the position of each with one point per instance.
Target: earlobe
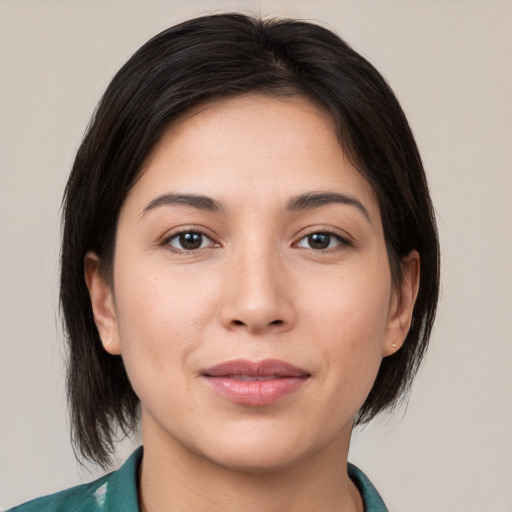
(402, 306)
(102, 301)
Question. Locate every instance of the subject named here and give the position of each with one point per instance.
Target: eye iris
(190, 241)
(319, 240)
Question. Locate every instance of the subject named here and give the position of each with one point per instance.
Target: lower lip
(256, 392)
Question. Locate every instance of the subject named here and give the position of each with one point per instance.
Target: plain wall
(448, 61)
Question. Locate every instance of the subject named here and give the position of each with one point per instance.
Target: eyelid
(342, 236)
(176, 232)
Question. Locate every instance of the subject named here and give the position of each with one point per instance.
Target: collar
(371, 498)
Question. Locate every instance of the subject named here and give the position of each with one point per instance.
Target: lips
(254, 383)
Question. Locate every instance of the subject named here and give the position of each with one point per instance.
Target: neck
(175, 478)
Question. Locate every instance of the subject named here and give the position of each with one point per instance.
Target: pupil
(191, 241)
(319, 240)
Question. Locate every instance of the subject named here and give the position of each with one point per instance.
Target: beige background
(449, 63)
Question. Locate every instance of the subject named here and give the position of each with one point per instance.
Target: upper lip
(265, 368)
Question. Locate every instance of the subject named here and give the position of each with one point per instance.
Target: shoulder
(373, 501)
(115, 491)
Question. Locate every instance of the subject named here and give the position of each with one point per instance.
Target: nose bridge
(256, 294)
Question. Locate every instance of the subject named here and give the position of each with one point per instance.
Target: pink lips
(255, 383)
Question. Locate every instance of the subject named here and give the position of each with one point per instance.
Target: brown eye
(321, 241)
(189, 241)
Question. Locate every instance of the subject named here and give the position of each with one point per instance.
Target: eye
(321, 241)
(189, 241)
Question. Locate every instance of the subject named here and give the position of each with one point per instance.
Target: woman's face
(252, 300)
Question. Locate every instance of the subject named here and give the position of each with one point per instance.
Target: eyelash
(176, 236)
(341, 242)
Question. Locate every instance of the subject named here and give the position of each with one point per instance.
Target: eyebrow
(302, 202)
(313, 200)
(192, 200)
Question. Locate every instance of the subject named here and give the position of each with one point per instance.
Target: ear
(102, 300)
(402, 304)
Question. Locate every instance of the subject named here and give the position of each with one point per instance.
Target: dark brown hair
(201, 60)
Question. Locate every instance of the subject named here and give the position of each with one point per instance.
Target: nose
(257, 295)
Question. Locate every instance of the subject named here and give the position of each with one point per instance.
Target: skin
(255, 288)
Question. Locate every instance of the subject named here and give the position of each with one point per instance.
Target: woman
(249, 267)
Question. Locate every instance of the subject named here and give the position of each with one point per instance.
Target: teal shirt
(117, 492)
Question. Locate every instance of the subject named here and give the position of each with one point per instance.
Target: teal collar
(119, 492)
(371, 498)
(110, 493)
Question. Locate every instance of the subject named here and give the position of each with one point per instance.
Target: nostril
(274, 322)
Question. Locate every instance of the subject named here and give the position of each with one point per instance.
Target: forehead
(248, 148)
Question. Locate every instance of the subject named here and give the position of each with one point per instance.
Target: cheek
(160, 319)
(355, 305)
(350, 316)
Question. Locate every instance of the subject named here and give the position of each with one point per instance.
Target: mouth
(255, 383)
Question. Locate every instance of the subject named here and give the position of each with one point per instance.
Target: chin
(264, 450)
(257, 460)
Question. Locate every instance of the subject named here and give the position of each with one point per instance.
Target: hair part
(198, 61)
